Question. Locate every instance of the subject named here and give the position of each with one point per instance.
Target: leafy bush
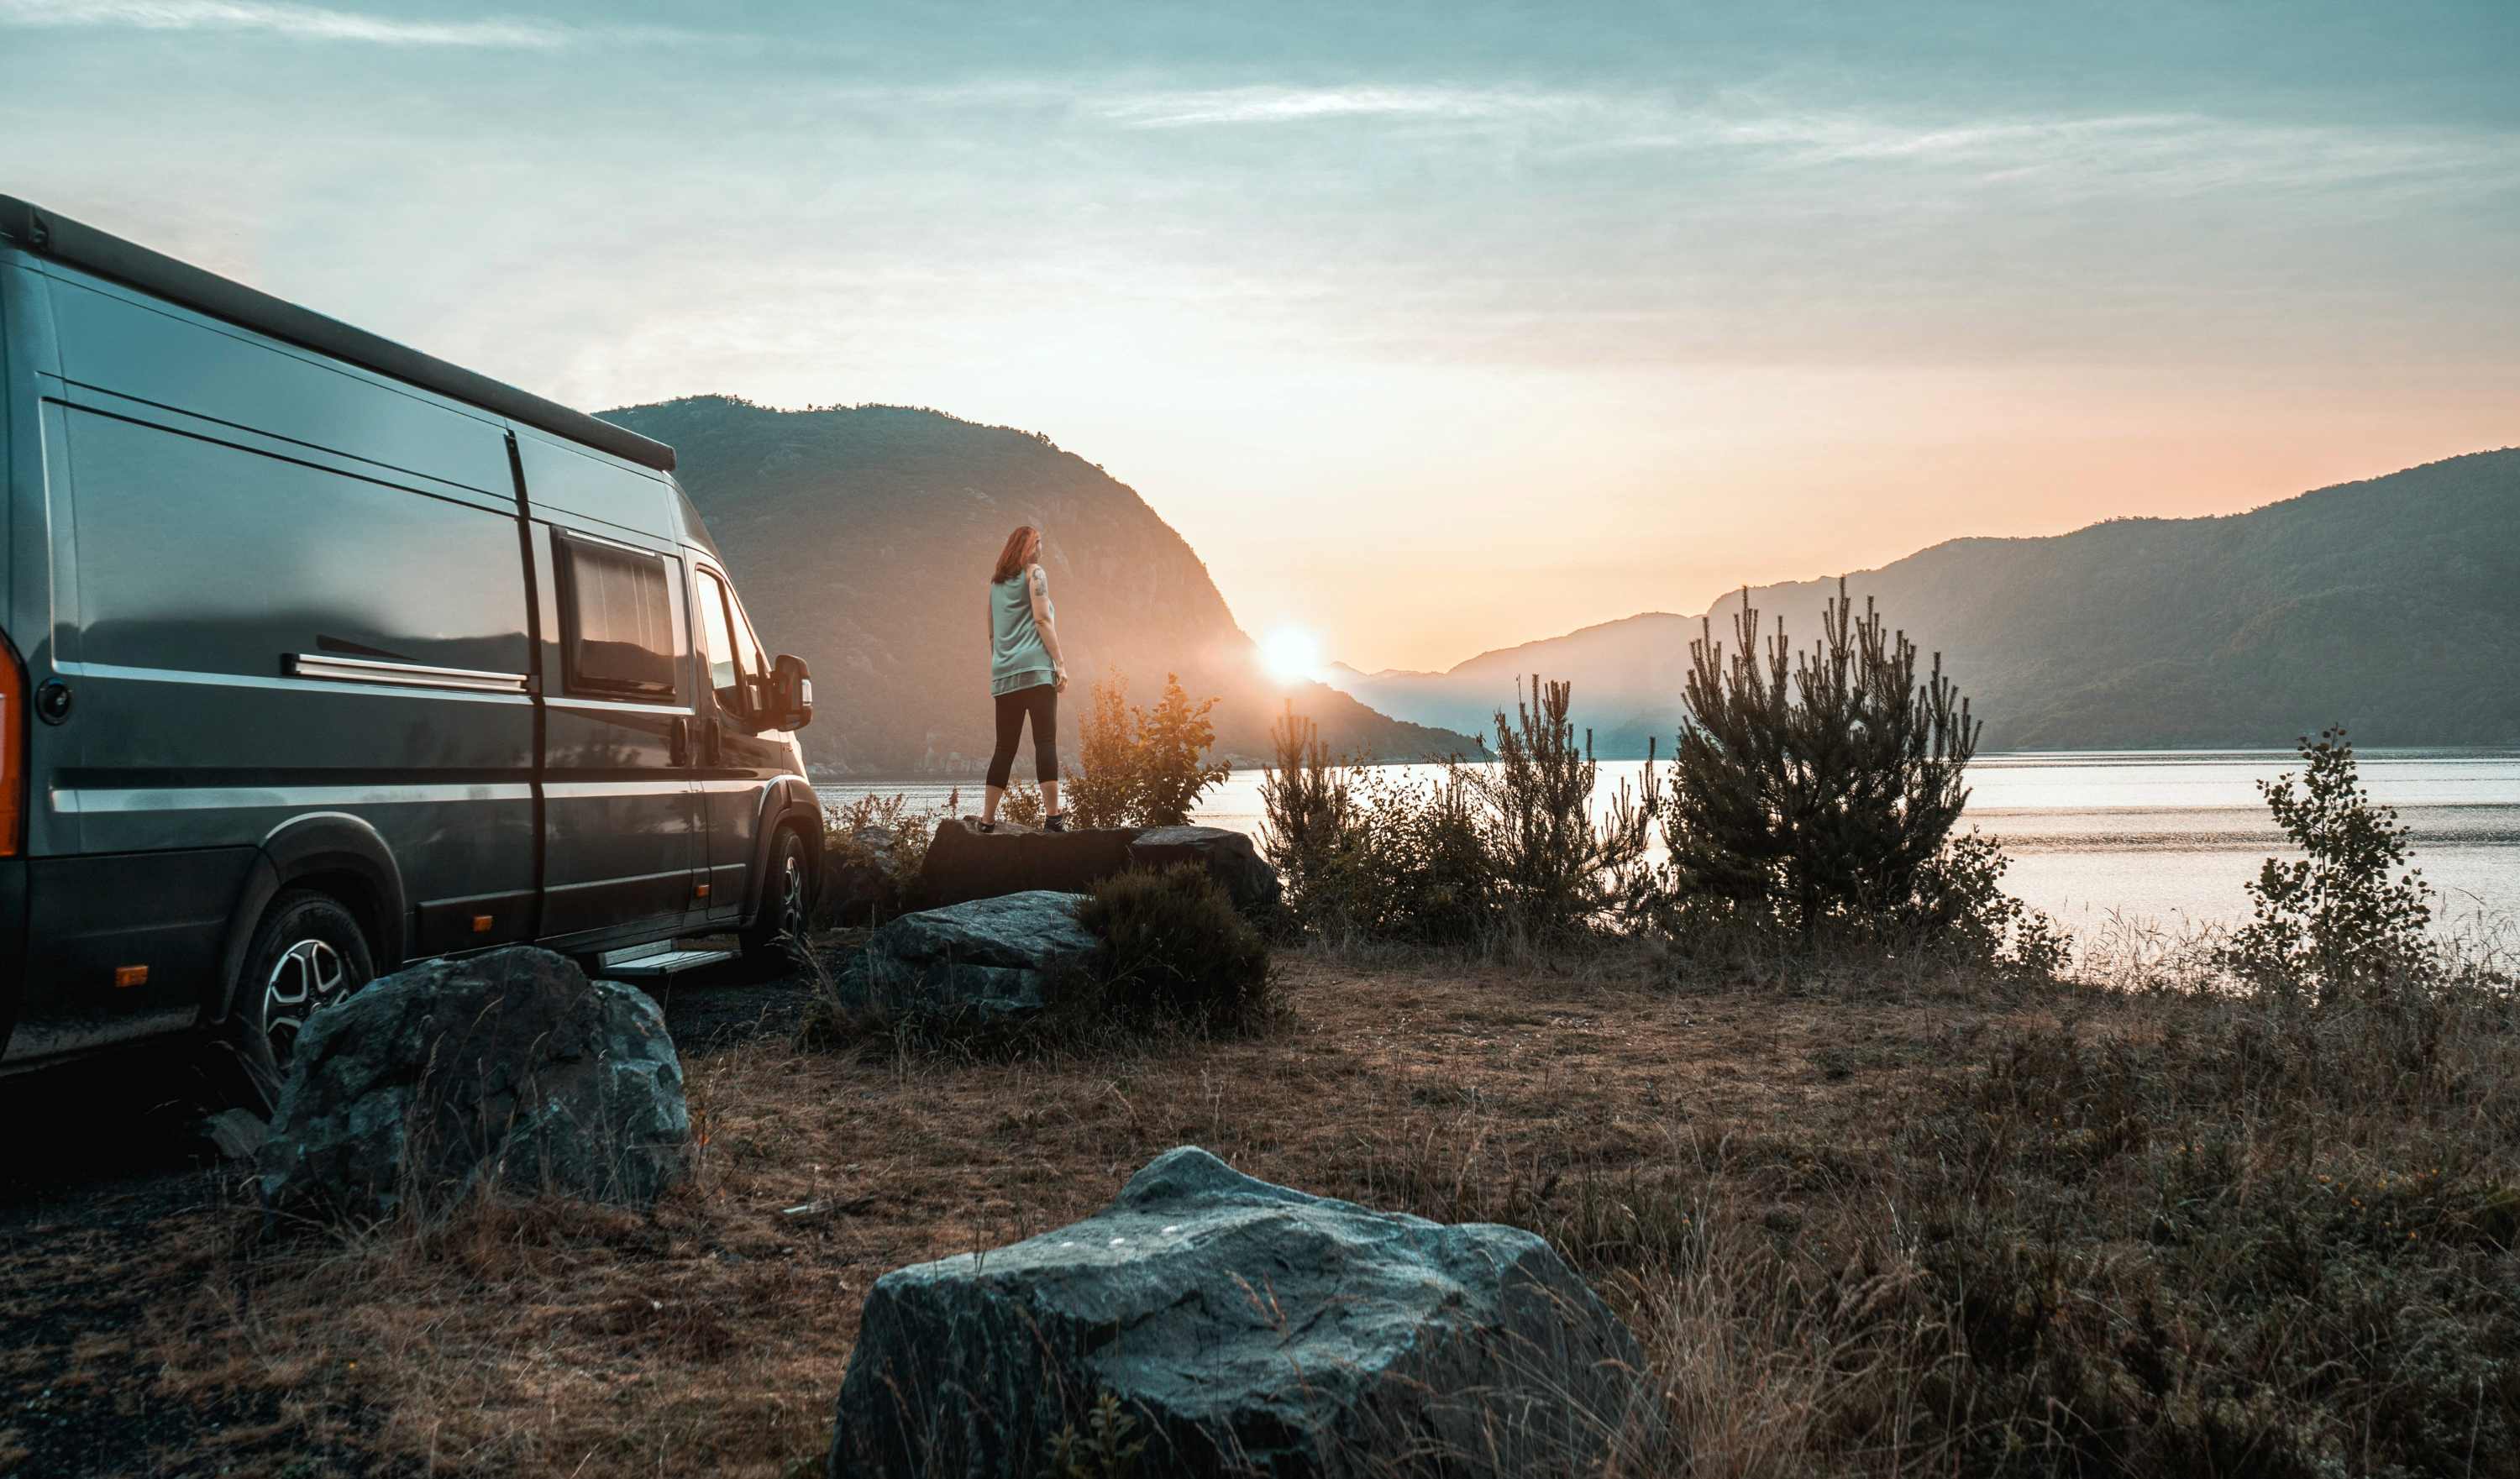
(1023, 804)
(872, 847)
(1175, 948)
(1473, 855)
(1414, 865)
(1957, 912)
(1143, 768)
(2333, 925)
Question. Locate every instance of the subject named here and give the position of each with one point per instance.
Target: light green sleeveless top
(1016, 658)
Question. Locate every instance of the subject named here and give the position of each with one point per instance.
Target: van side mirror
(791, 693)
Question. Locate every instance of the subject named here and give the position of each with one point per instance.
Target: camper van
(319, 655)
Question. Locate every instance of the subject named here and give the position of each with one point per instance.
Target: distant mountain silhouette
(2391, 604)
(861, 539)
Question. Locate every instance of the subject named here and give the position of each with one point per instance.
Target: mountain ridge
(860, 538)
(2326, 607)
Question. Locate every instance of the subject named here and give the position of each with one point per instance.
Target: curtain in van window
(620, 631)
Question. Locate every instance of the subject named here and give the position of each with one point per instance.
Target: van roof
(108, 255)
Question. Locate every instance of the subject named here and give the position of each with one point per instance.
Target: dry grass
(1837, 1223)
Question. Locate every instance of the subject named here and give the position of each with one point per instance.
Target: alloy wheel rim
(791, 897)
(309, 977)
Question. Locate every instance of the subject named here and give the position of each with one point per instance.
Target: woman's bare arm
(1039, 584)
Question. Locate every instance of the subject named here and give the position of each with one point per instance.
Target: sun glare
(1290, 654)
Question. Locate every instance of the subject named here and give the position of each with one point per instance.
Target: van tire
(308, 953)
(786, 904)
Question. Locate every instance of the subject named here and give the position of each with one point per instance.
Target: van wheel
(787, 904)
(307, 954)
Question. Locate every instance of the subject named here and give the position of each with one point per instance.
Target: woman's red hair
(1010, 559)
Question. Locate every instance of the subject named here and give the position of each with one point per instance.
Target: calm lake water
(2164, 837)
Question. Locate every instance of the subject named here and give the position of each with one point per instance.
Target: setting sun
(1290, 653)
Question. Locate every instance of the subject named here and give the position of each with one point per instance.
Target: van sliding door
(620, 822)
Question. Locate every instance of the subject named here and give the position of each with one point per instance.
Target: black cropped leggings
(1041, 703)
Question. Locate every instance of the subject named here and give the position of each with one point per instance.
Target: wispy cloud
(2156, 153)
(2148, 153)
(313, 22)
(1297, 105)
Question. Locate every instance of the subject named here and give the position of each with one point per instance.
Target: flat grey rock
(1245, 1328)
(993, 959)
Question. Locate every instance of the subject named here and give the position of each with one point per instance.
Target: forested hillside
(2390, 605)
(861, 540)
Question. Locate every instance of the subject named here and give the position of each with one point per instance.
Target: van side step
(650, 963)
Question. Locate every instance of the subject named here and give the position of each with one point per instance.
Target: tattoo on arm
(1041, 617)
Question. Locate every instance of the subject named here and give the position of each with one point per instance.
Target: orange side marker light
(130, 975)
(480, 923)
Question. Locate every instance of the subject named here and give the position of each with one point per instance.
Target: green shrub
(872, 847)
(1022, 805)
(1143, 768)
(1473, 855)
(1957, 912)
(1815, 793)
(1175, 948)
(1370, 853)
(2333, 925)
(1558, 870)
(1309, 816)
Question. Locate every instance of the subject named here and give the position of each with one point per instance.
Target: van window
(616, 622)
(735, 659)
(195, 556)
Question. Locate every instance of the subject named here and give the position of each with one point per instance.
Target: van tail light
(12, 751)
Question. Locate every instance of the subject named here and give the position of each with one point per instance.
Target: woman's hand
(1061, 677)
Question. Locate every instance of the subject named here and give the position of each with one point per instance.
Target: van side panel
(21, 475)
(571, 486)
(113, 340)
(260, 607)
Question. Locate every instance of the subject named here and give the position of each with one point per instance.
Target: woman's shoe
(1054, 822)
(986, 826)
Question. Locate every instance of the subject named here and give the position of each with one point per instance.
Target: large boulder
(1244, 1327)
(1229, 857)
(982, 962)
(964, 863)
(508, 1067)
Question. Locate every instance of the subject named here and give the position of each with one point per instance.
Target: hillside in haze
(862, 538)
(2389, 605)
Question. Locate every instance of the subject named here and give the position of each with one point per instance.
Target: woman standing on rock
(1026, 673)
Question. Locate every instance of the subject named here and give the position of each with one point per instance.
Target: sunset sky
(1433, 329)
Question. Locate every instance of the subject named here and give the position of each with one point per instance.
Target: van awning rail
(108, 255)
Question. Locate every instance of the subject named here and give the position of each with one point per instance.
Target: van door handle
(681, 756)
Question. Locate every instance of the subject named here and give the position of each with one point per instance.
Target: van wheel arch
(333, 852)
(787, 805)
